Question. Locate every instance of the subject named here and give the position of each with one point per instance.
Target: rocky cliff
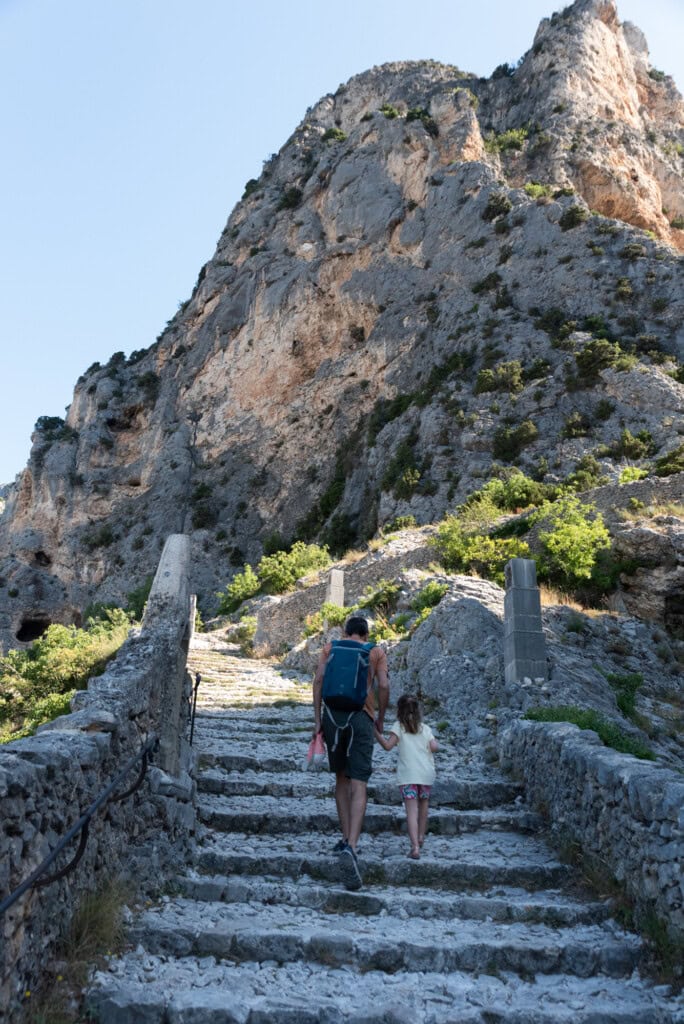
(435, 273)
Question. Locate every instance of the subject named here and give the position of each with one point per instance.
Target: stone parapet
(626, 814)
(48, 780)
(280, 621)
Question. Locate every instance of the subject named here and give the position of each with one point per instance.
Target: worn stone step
(481, 859)
(551, 907)
(182, 927)
(454, 791)
(279, 815)
(233, 727)
(143, 989)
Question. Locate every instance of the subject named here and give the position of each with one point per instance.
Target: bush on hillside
(486, 556)
(36, 684)
(571, 536)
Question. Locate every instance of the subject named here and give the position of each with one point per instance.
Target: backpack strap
(347, 725)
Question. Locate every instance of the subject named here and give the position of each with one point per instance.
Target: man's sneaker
(339, 846)
(349, 868)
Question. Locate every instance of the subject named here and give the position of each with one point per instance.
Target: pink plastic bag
(316, 754)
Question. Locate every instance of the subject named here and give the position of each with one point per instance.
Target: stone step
(182, 927)
(244, 780)
(143, 989)
(477, 860)
(279, 815)
(552, 907)
(234, 727)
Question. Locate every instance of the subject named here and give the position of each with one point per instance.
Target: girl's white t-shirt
(416, 763)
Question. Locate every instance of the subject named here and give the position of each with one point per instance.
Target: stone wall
(280, 620)
(48, 780)
(626, 814)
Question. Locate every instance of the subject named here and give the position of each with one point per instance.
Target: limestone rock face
(325, 374)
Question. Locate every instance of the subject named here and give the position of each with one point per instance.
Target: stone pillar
(524, 646)
(335, 591)
(167, 619)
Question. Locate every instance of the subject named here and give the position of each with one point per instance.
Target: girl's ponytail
(409, 713)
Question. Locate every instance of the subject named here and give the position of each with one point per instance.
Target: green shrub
(536, 191)
(280, 571)
(334, 135)
(514, 491)
(422, 115)
(508, 442)
(389, 111)
(554, 321)
(243, 585)
(633, 251)
(571, 535)
(430, 596)
(513, 139)
(498, 205)
(380, 597)
(37, 684)
(149, 383)
(631, 473)
(631, 446)
(600, 354)
(384, 411)
(137, 599)
(623, 288)
(492, 280)
(572, 217)
(251, 186)
(204, 516)
(243, 634)
(290, 198)
(586, 718)
(657, 75)
(576, 425)
(399, 523)
(586, 474)
(384, 630)
(672, 462)
(333, 614)
(625, 685)
(475, 553)
(101, 538)
(604, 409)
(503, 377)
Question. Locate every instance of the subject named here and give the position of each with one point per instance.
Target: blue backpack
(345, 683)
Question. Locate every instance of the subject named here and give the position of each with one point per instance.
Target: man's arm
(382, 675)
(318, 687)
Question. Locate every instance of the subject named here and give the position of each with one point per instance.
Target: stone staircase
(488, 926)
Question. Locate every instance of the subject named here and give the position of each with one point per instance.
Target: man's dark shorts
(353, 754)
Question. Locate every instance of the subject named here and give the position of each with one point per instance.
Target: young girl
(415, 768)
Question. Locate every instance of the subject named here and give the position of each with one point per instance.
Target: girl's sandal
(414, 854)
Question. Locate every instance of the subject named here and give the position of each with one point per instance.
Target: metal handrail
(198, 680)
(82, 825)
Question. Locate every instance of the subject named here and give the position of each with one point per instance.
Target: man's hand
(316, 729)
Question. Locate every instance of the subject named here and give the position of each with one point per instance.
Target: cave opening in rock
(42, 558)
(32, 628)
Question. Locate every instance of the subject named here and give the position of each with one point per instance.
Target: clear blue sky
(131, 126)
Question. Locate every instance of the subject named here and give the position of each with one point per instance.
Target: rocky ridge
(415, 287)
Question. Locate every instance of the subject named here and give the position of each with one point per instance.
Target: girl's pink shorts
(415, 792)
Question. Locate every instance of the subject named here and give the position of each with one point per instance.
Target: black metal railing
(198, 680)
(35, 879)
